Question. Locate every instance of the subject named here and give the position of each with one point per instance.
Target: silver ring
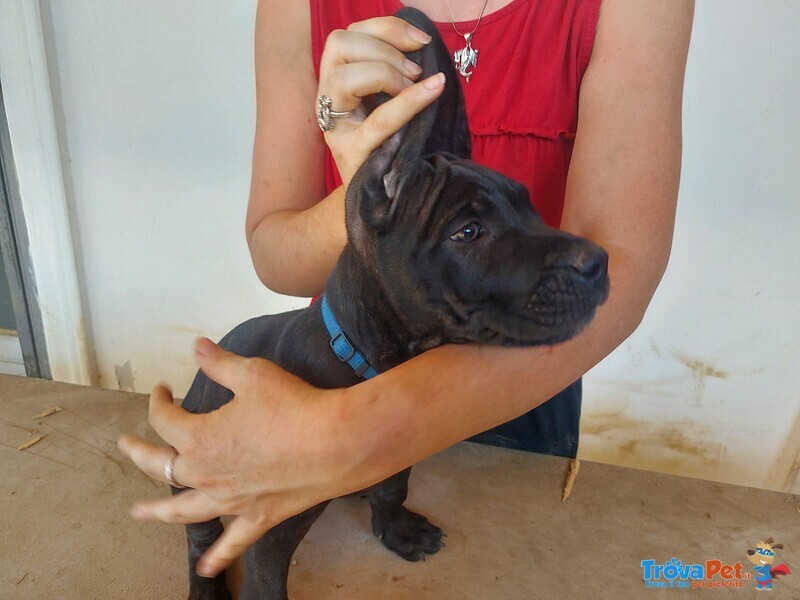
(326, 116)
(169, 470)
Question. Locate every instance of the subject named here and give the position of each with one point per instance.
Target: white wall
(709, 385)
(155, 102)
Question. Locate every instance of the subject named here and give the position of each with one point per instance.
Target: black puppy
(441, 250)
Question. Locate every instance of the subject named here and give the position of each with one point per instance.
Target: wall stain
(792, 472)
(651, 387)
(656, 350)
(699, 368)
(125, 378)
(681, 447)
(701, 371)
(196, 332)
(88, 355)
(191, 330)
(785, 471)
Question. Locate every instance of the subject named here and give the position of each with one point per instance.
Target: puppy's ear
(441, 128)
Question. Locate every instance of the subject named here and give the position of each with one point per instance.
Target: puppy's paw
(409, 535)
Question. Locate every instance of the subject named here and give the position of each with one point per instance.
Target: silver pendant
(466, 57)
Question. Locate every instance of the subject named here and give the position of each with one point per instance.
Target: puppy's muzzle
(572, 283)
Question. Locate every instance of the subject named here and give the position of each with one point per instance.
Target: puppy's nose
(590, 263)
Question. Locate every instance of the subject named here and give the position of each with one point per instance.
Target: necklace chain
(453, 23)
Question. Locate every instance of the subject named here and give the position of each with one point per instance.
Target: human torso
(522, 96)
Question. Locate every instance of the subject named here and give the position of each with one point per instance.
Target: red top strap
(522, 99)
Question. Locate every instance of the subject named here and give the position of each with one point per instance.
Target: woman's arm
(282, 446)
(294, 237)
(292, 242)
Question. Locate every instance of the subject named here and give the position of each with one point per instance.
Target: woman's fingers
(190, 506)
(351, 143)
(237, 537)
(392, 115)
(393, 30)
(149, 458)
(365, 59)
(354, 47)
(375, 48)
(175, 426)
(247, 377)
(352, 81)
(172, 423)
(226, 368)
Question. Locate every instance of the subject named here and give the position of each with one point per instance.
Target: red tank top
(522, 99)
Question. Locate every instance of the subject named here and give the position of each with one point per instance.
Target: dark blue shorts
(550, 428)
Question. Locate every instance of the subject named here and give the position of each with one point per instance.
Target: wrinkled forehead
(469, 185)
(483, 176)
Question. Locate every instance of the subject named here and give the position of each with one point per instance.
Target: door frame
(12, 245)
(38, 201)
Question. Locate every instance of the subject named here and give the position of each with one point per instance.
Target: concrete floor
(65, 531)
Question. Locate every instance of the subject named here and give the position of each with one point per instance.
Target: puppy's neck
(359, 302)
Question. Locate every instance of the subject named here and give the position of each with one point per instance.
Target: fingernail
(407, 82)
(418, 35)
(137, 512)
(205, 570)
(198, 346)
(413, 67)
(434, 82)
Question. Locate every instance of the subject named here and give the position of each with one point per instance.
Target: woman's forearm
(294, 251)
(453, 392)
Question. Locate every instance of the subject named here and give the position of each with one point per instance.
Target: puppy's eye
(467, 233)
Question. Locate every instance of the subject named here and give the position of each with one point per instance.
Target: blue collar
(344, 350)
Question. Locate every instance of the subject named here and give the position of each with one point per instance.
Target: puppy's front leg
(407, 534)
(266, 563)
(200, 536)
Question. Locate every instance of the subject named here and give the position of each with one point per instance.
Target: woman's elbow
(263, 261)
(637, 276)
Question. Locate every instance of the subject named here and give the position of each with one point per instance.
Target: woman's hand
(365, 59)
(263, 457)
(295, 224)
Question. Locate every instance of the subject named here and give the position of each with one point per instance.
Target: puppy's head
(458, 248)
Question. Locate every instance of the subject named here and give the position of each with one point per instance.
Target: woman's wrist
(364, 445)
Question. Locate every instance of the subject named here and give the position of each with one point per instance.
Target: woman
(580, 101)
